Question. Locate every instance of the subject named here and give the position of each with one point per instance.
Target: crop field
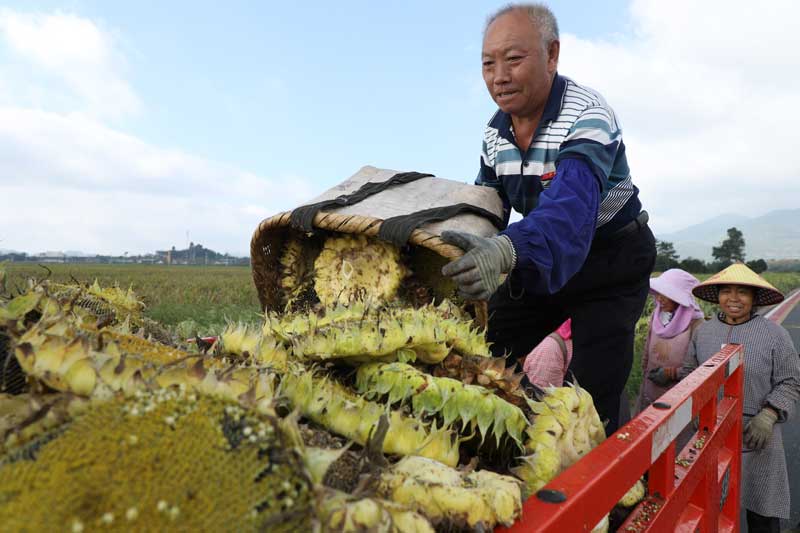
(199, 299)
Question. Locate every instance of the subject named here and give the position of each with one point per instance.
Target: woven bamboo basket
(427, 251)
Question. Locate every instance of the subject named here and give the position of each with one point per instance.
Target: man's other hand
(478, 271)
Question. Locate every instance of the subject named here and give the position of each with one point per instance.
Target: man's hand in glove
(663, 376)
(758, 430)
(478, 271)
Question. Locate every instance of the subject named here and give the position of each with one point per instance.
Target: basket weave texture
(271, 234)
(269, 237)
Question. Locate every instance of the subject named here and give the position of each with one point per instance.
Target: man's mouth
(506, 94)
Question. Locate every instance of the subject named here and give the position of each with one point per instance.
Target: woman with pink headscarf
(548, 362)
(674, 318)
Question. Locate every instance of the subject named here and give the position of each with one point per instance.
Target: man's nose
(501, 73)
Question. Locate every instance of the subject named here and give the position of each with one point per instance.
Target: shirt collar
(721, 318)
(554, 100)
(502, 120)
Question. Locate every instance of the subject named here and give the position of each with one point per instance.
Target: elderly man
(582, 250)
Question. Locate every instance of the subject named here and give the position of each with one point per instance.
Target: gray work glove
(758, 430)
(663, 376)
(478, 271)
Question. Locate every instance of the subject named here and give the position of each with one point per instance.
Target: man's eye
(514, 59)
(488, 63)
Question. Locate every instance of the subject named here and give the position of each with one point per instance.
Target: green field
(199, 299)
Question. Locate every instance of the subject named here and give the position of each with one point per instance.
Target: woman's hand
(663, 376)
(758, 430)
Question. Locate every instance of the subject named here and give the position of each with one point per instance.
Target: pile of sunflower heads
(357, 407)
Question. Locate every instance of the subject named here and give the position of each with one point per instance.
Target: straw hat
(738, 274)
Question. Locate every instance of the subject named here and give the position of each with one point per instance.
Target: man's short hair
(539, 14)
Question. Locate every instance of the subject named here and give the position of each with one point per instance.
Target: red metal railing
(696, 491)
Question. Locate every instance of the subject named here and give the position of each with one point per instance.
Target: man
(582, 250)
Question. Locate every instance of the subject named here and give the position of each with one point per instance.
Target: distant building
(51, 257)
(196, 254)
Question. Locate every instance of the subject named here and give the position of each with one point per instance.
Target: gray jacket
(771, 376)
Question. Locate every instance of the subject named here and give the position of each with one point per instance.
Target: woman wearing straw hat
(674, 318)
(771, 384)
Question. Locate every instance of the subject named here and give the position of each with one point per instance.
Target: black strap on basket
(302, 218)
(398, 229)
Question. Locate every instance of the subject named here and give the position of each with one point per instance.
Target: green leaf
(486, 414)
(428, 400)
(21, 305)
(467, 403)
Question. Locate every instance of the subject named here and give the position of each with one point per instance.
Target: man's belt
(628, 229)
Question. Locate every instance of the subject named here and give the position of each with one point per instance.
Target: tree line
(731, 250)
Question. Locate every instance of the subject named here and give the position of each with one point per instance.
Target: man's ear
(552, 55)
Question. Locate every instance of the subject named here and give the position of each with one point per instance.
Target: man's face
(517, 70)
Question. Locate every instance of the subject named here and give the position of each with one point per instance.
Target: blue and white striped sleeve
(553, 240)
(486, 174)
(595, 137)
(488, 178)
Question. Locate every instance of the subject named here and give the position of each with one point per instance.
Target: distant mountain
(775, 235)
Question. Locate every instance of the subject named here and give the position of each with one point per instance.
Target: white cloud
(706, 94)
(75, 53)
(705, 91)
(71, 182)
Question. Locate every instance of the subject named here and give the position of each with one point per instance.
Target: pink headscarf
(677, 285)
(565, 329)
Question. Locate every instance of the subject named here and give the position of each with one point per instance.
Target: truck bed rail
(694, 490)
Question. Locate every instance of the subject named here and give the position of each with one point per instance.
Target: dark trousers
(604, 299)
(757, 523)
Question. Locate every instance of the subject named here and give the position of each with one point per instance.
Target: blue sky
(169, 117)
(317, 88)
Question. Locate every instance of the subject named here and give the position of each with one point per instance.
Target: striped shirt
(576, 123)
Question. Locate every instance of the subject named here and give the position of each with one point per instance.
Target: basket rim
(353, 224)
(361, 224)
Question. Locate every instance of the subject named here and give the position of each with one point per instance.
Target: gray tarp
(422, 194)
